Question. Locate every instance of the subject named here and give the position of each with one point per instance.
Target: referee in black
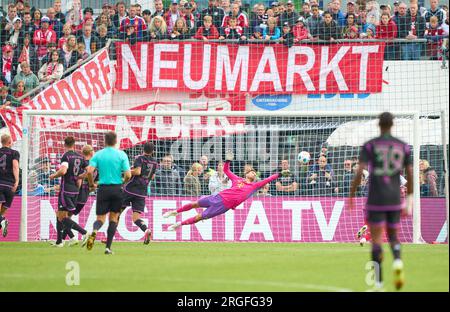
(110, 163)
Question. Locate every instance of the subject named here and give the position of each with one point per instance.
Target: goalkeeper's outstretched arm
(226, 168)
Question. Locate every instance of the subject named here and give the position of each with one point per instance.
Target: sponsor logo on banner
(263, 69)
(272, 102)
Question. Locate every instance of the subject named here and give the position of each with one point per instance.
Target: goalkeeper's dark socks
(59, 231)
(97, 225)
(111, 231)
(141, 225)
(186, 207)
(189, 221)
(377, 257)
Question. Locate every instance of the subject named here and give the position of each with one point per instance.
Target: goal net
(308, 203)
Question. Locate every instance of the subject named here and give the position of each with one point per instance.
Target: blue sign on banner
(272, 102)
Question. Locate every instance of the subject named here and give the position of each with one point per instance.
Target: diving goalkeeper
(240, 190)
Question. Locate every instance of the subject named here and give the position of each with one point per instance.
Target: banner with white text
(248, 68)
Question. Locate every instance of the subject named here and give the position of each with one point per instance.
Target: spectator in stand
(258, 21)
(59, 15)
(287, 37)
(159, 9)
(213, 11)
(158, 28)
(44, 171)
(321, 178)
(102, 34)
(264, 191)
(395, 7)
(147, 16)
(16, 35)
(225, 5)
(67, 31)
(290, 16)
(435, 10)
(241, 17)
(122, 13)
(336, 13)
(25, 53)
(27, 24)
(363, 188)
(300, 30)
(401, 13)
(233, 30)
(428, 179)
(206, 174)
(69, 54)
(387, 30)
(306, 10)
(272, 31)
(42, 37)
(110, 29)
(373, 13)
(315, 2)
(27, 76)
(347, 177)
(313, 21)
(208, 31)
(50, 48)
(435, 35)
(105, 11)
(90, 40)
(20, 7)
(191, 20)
(219, 180)
(385, 9)
(140, 28)
(6, 102)
(180, 31)
(55, 24)
(167, 179)
(286, 183)
(328, 28)
(351, 23)
(6, 64)
(88, 15)
(172, 15)
(37, 16)
(7, 24)
(74, 16)
(351, 9)
(81, 48)
(20, 91)
(53, 70)
(411, 27)
(276, 8)
(192, 185)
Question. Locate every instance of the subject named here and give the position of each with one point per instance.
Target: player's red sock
(185, 208)
(367, 237)
(189, 221)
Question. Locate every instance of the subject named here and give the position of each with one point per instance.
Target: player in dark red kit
(143, 172)
(9, 179)
(385, 157)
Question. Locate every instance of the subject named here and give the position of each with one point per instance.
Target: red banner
(251, 68)
(76, 92)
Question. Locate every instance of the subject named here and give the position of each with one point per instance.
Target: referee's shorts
(109, 198)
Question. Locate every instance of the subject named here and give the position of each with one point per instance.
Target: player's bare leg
(377, 254)
(186, 207)
(140, 223)
(192, 220)
(3, 221)
(397, 265)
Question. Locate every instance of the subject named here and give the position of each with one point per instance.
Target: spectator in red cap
(43, 36)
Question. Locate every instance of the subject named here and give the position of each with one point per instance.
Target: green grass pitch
(201, 267)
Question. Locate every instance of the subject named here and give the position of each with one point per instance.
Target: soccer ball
(304, 157)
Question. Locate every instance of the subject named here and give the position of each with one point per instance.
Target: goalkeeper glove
(229, 156)
(284, 173)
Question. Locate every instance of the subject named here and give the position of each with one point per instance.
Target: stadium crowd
(315, 178)
(38, 48)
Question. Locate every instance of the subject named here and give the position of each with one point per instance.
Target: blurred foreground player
(143, 172)
(386, 157)
(240, 190)
(9, 179)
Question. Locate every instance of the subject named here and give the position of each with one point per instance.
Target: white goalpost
(296, 210)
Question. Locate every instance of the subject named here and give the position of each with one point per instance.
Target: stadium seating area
(40, 46)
